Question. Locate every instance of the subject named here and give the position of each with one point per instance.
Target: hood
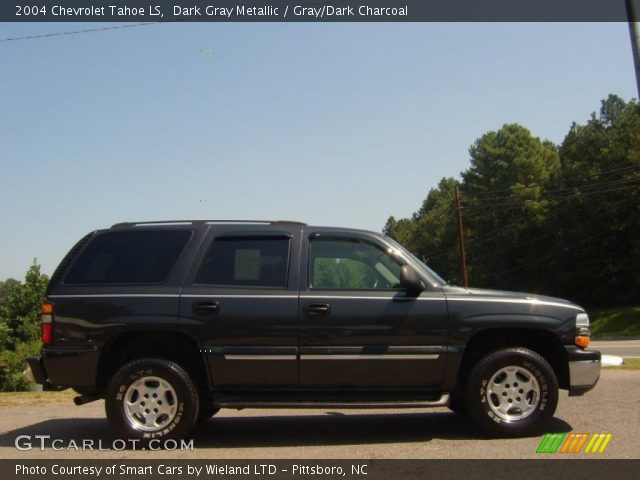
(451, 291)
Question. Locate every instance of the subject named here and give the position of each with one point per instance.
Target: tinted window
(253, 262)
(128, 257)
(351, 264)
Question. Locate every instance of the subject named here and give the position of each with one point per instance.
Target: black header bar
(314, 11)
(121, 469)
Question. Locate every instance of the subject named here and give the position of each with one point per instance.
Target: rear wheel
(512, 392)
(151, 398)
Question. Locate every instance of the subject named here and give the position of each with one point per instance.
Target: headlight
(582, 320)
(583, 332)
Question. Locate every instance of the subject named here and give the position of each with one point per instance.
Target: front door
(242, 303)
(358, 328)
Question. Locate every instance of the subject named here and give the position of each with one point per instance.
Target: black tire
(457, 405)
(206, 412)
(177, 395)
(483, 404)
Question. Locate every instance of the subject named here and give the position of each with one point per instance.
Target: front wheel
(152, 398)
(456, 404)
(512, 392)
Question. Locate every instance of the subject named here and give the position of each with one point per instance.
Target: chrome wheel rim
(513, 393)
(150, 404)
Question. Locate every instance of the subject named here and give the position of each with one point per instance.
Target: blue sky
(332, 124)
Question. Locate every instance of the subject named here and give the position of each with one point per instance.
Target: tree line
(562, 220)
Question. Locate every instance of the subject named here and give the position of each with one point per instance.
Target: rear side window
(249, 262)
(128, 257)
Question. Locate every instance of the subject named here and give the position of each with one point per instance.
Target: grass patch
(629, 364)
(20, 399)
(615, 322)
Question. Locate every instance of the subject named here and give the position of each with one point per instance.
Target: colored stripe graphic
(568, 444)
(606, 442)
(574, 443)
(581, 442)
(598, 443)
(550, 443)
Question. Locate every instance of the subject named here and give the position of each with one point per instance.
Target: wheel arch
(172, 345)
(542, 341)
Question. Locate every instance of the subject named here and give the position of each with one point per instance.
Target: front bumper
(584, 369)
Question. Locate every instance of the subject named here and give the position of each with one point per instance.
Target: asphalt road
(613, 407)
(620, 348)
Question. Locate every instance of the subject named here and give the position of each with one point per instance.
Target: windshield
(418, 262)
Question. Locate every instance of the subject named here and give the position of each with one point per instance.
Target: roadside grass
(18, 399)
(615, 322)
(629, 364)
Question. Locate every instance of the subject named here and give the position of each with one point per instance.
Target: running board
(239, 403)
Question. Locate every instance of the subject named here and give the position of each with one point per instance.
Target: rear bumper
(59, 367)
(584, 369)
(36, 373)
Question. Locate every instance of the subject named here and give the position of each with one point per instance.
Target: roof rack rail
(205, 222)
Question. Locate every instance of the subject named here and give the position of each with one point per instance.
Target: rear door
(241, 300)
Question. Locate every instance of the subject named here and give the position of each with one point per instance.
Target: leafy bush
(13, 364)
(19, 326)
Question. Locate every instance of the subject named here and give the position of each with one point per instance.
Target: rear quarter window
(128, 257)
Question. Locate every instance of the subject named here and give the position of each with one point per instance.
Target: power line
(572, 201)
(553, 199)
(533, 185)
(502, 228)
(556, 254)
(76, 32)
(129, 25)
(559, 194)
(499, 231)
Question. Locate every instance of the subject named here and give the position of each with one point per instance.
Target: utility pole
(463, 257)
(634, 32)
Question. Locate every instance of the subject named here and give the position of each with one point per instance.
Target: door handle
(207, 308)
(317, 309)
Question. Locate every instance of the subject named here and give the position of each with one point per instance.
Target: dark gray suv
(171, 321)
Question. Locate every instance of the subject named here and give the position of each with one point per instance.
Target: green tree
(431, 231)
(400, 230)
(505, 207)
(5, 287)
(342, 273)
(19, 326)
(598, 244)
(21, 307)
(557, 220)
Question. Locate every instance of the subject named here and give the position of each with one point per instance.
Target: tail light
(46, 322)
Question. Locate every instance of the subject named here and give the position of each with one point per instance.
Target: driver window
(351, 264)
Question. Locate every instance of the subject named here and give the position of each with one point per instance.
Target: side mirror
(410, 280)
